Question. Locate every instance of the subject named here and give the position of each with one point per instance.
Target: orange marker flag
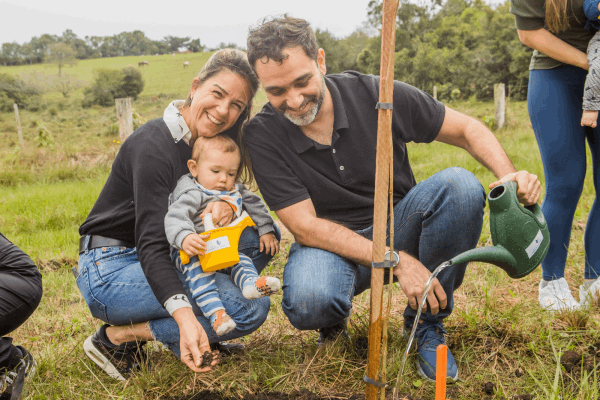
(440, 372)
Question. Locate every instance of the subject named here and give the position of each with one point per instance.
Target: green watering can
(520, 234)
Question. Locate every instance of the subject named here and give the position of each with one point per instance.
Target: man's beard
(310, 115)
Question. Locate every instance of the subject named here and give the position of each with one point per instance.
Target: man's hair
(268, 40)
(219, 142)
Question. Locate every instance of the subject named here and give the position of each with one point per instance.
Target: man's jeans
(115, 288)
(438, 219)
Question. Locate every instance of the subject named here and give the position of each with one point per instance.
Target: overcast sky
(213, 21)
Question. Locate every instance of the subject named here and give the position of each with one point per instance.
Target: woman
(125, 270)
(555, 30)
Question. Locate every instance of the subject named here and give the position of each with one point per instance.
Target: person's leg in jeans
(118, 293)
(439, 218)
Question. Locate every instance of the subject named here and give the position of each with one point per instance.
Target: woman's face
(217, 104)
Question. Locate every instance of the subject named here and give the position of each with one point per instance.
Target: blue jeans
(115, 288)
(439, 218)
(554, 100)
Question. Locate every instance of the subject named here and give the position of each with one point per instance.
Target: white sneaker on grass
(556, 296)
(588, 295)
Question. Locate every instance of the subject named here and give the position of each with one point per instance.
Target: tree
(194, 45)
(174, 42)
(110, 84)
(61, 54)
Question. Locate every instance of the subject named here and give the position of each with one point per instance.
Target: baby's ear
(192, 167)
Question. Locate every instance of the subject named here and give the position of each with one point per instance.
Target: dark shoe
(13, 381)
(228, 348)
(117, 361)
(428, 336)
(332, 333)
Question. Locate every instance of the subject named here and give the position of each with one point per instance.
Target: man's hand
(222, 213)
(529, 188)
(193, 342)
(194, 244)
(412, 276)
(269, 244)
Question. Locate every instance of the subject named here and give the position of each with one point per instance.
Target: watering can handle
(534, 208)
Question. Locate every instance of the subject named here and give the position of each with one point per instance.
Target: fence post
(435, 92)
(499, 104)
(19, 128)
(125, 115)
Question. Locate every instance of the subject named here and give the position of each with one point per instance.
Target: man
(313, 149)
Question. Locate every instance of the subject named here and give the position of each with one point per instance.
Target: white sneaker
(556, 296)
(589, 295)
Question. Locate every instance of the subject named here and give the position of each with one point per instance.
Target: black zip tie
(384, 106)
(374, 382)
(387, 263)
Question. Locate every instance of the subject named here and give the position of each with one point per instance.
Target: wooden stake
(384, 133)
(125, 115)
(499, 104)
(21, 143)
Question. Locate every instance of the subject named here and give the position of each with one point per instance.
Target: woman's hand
(222, 213)
(194, 244)
(269, 244)
(193, 342)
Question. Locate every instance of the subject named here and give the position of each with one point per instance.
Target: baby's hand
(269, 244)
(589, 118)
(194, 244)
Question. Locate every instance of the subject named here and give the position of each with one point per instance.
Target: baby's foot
(222, 323)
(263, 286)
(589, 118)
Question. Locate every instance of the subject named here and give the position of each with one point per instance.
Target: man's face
(296, 87)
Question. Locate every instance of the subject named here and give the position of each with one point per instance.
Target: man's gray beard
(311, 113)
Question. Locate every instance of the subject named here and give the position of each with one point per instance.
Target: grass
(496, 329)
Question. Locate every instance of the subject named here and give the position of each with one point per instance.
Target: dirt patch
(489, 388)
(303, 394)
(573, 362)
(208, 358)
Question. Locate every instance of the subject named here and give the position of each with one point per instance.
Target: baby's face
(216, 169)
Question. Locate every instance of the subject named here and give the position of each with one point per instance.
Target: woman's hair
(223, 143)
(557, 19)
(235, 61)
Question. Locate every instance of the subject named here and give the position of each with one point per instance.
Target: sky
(213, 21)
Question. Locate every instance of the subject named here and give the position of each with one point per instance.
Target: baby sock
(221, 322)
(246, 278)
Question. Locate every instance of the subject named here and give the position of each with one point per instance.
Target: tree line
(463, 47)
(40, 49)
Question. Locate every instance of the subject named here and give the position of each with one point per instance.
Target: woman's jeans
(554, 99)
(115, 288)
(438, 219)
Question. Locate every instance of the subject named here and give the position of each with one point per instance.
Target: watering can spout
(519, 234)
(496, 255)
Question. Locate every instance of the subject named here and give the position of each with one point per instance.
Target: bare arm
(545, 42)
(463, 131)
(309, 230)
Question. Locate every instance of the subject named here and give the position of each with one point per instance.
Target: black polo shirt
(340, 179)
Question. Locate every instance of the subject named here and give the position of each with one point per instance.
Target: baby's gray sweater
(187, 202)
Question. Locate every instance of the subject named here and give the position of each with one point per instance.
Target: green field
(496, 329)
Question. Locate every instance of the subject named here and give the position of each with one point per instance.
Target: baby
(215, 167)
(591, 93)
